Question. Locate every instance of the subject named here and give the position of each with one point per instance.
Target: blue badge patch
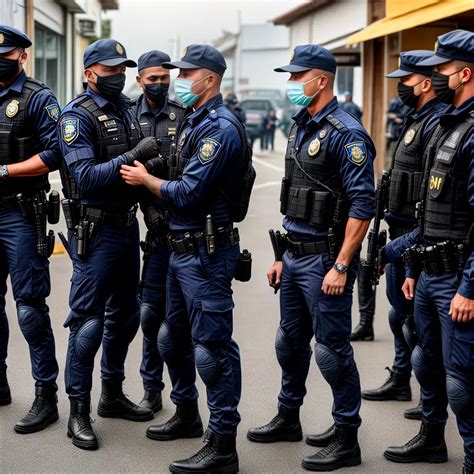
(53, 111)
(208, 150)
(70, 130)
(356, 152)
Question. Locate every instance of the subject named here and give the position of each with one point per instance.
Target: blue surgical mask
(183, 91)
(295, 92)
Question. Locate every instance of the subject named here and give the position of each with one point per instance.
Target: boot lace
(204, 453)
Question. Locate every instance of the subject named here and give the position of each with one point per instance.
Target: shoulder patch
(208, 150)
(70, 130)
(356, 152)
(53, 111)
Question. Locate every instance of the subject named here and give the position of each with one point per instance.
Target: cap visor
(434, 61)
(292, 68)
(7, 49)
(399, 73)
(180, 65)
(117, 61)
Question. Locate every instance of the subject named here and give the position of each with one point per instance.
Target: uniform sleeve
(356, 156)
(44, 111)
(466, 288)
(212, 154)
(77, 141)
(395, 248)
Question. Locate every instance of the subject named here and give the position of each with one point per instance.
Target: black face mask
(156, 92)
(111, 86)
(441, 86)
(8, 68)
(407, 95)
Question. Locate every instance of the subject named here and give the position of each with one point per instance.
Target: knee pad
(284, 350)
(329, 363)
(424, 368)
(167, 343)
(395, 321)
(460, 396)
(32, 322)
(207, 365)
(149, 320)
(88, 339)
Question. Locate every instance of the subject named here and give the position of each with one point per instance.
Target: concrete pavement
(123, 446)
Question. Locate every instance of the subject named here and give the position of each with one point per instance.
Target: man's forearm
(154, 184)
(33, 166)
(355, 233)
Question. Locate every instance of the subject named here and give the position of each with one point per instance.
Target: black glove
(157, 167)
(148, 148)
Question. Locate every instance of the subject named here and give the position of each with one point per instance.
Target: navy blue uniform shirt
(357, 179)
(210, 144)
(43, 112)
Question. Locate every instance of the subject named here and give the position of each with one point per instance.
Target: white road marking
(267, 184)
(280, 169)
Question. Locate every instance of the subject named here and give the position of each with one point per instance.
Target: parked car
(255, 111)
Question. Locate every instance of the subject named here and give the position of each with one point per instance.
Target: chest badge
(322, 133)
(314, 147)
(409, 136)
(172, 116)
(12, 108)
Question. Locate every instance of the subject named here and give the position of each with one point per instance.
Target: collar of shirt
(204, 110)
(303, 118)
(144, 108)
(121, 105)
(16, 85)
(457, 114)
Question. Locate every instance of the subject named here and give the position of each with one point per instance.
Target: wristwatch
(340, 268)
(3, 172)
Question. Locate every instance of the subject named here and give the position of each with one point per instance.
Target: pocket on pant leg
(31, 280)
(462, 351)
(214, 320)
(84, 295)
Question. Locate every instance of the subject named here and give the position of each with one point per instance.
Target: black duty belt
(112, 218)
(189, 242)
(307, 247)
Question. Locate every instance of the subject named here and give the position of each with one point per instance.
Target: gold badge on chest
(314, 147)
(409, 136)
(12, 108)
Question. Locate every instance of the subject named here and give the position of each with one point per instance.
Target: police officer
(160, 117)
(232, 103)
(98, 133)
(350, 106)
(327, 198)
(198, 324)
(416, 91)
(28, 152)
(444, 299)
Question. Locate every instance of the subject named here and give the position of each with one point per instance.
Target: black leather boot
(79, 426)
(342, 451)
(364, 331)
(396, 387)
(114, 404)
(43, 412)
(427, 446)
(5, 395)
(219, 455)
(285, 426)
(185, 423)
(322, 440)
(152, 401)
(414, 413)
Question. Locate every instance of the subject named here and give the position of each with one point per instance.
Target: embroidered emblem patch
(356, 152)
(53, 111)
(208, 150)
(12, 108)
(70, 130)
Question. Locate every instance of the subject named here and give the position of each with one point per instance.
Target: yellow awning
(421, 16)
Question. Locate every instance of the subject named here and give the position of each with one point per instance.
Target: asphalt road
(123, 445)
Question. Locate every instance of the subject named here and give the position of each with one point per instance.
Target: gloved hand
(148, 148)
(157, 167)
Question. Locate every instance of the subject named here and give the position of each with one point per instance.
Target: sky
(169, 25)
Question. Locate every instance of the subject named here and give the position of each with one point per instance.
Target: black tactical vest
(407, 171)
(113, 139)
(19, 140)
(312, 188)
(447, 214)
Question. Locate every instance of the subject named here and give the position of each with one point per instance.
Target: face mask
(295, 92)
(441, 86)
(183, 91)
(8, 68)
(407, 94)
(156, 92)
(110, 86)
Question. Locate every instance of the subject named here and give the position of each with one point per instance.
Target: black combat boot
(364, 331)
(152, 401)
(414, 413)
(342, 451)
(285, 426)
(322, 440)
(396, 387)
(427, 446)
(43, 412)
(185, 423)
(5, 395)
(114, 404)
(219, 455)
(79, 426)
